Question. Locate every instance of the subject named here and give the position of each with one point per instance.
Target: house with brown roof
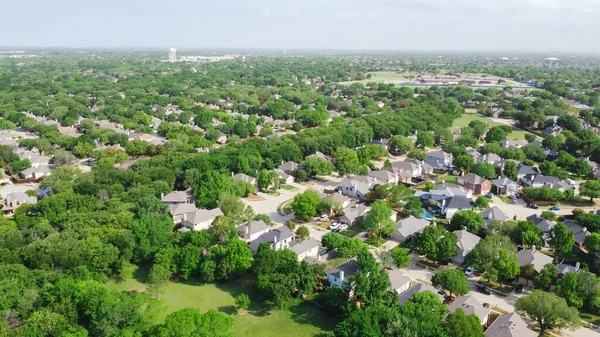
(475, 183)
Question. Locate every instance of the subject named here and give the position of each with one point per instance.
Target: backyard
(466, 118)
(300, 317)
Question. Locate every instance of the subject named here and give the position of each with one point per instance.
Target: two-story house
(475, 183)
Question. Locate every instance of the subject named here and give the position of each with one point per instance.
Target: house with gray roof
(579, 232)
(200, 219)
(319, 155)
(527, 174)
(279, 238)
(338, 275)
(13, 200)
(493, 214)
(551, 182)
(504, 186)
(513, 143)
(417, 288)
(358, 187)
(455, 204)
(340, 199)
(490, 158)
(35, 172)
(543, 224)
(308, 248)
(439, 160)
(290, 167)
(471, 306)
(533, 257)
(466, 242)
(399, 282)
(383, 176)
(509, 325)
(407, 227)
(246, 178)
(251, 230)
(354, 214)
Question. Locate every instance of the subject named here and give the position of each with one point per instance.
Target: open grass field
(382, 76)
(299, 319)
(466, 118)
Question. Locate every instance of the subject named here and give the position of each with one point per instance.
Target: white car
(323, 217)
(342, 227)
(469, 271)
(334, 226)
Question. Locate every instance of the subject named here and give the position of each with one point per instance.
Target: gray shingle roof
(417, 288)
(411, 225)
(494, 213)
(535, 258)
(303, 246)
(466, 240)
(509, 325)
(253, 228)
(470, 305)
(349, 268)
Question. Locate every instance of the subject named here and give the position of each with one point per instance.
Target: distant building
(172, 54)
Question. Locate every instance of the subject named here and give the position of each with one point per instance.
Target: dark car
(483, 290)
(519, 288)
(533, 206)
(486, 305)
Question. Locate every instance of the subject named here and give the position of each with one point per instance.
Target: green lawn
(381, 76)
(449, 178)
(288, 187)
(373, 241)
(351, 231)
(299, 317)
(466, 118)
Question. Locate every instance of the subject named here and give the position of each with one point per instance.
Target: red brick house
(475, 183)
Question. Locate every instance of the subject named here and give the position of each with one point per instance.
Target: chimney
(247, 228)
(533, 248)
(162, 195)
(184, 216)
(275, 239)
(577, 265)
(342, 275)
(232, 174)
(443, 203)
(443, 183)
(354, 186)
(584, 229)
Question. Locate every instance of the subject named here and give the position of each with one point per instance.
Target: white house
(338, 275)
(471, 306)
(466, 242)
(279, 238)
(308, 248)
(400, 283)
(252, 230)
(406, 228)
(200, 219)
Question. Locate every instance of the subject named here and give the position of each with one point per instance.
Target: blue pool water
(426, 215)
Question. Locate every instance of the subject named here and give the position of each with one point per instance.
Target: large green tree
(379, 220)
(436, 243)
(305, 205)
(461, 325)
(452, 280)
(548, 311)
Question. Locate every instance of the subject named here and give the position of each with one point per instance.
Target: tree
(242, 302)
(302, 233)
(548, 310)
(379, 220)
(232, 207)
(317, 166)
(401, 144)
(223, 228)
(482, 202)
(266, 179)
(371, 282)
(483, 169)
(292, 226)
(561, 240)
(549, 215)
(157, 279)
(189, 322)
(592, 242)
(544, 278)
(425, 139)
(510, 170)
(346, 161)
(464, 162)
(479, 128)
(401, 257)
(469, 219)
(530, 137)
(413, 206)
(581, 168)
(590, 188)
(461, 325)
(209, 188)
(436, 243)
(417, 154)
(305, 205)
(567, 289)
(423, 315)
(453, 281)
(332, 240)
(534, 153)
(495, 257)
(495, 134)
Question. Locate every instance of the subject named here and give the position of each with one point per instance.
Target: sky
(566, 26)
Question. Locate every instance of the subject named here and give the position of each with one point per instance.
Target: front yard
(351, 231)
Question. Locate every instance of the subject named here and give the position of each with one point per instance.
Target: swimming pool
(426, 215)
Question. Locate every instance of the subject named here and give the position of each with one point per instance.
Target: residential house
(34, 158)
(439, 160)
(444, 190)
(531, 257)
(354, 214)
(384, 177)
(492, 158)
(504, 186)
(513, 143)
(414, 168)
(279, 238)
(290, 167)
(338, 275)
(200, 219)
(284, 178)
(551, 182)
(308, 248)
(510, 325)
(252, 230)
(13, 200)
(466, 242)
(417, 288)
(406, 228)
(178, 197)
(35, 172)
(455, 204)
(246, 178)
(319, 155)
(493, 214)
(222, 139)
(68, 131)
(553, 130)
(339, 199)
(471, 306)
(527, 174)
(358, 187)
(473, 153)
(399, 282)
(564, 268)
(497, 112)
(177, 211)
(475, 183)
(579, 232)
(544, 225)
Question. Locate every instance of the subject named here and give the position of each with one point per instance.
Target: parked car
(30, 184)
(469, 271)
(519, 288)
(534, 206)
(323, 217)
(369, 234)
(483, 290)
(555, 208)
(489, 195)
(513, 196)
(334, 226)
(342, 227)
(486, 305)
